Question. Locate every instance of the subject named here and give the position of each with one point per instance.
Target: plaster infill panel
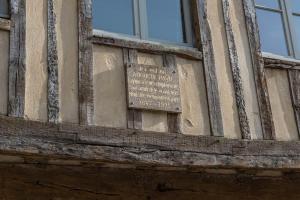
(36, 60)
(246, 68)
(109, 87)
(4, 59)
(281, 104)
(194, 117)
(223, 70)
(67, 47)
(151, 120)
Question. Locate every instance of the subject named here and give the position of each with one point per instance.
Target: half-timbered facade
(107, 99)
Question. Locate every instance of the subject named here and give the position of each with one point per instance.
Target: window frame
(288, 26)
(6, 16)
(141, 26)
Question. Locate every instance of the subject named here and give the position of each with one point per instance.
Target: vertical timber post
(17, 65)
(86, 93)
(259, 71)
(236, 74)
(294, 81)
(204, 42)
(53, 91)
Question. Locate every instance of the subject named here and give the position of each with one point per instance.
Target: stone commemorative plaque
(153, 88)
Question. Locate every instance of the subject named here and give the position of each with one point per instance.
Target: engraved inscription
(153, 88)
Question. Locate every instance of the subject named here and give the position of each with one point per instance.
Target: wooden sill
(110, 145)
(4, 24)
(111, 39)
(279, 62)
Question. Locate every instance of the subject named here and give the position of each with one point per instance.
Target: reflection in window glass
(114, 15)
(295, 6)
(4, 8)
(165, 20)
(272, 35)
(297, 30)
(269, 3)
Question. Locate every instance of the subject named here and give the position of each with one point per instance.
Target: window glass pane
(295, 4)
(165, 20)
(4, 8)
(297, 30)
(272, 32)
(114, 15)
(269, 3)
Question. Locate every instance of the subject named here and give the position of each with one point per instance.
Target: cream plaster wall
(109, 77)
(4, 60)
(67, 46)
(36, 60)
(109, 87)
(241, 39)
(194, 117)
(223, 69)
(282, 109)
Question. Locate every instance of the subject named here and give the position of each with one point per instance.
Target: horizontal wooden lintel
(281, 63)
(147, 46)
(141, 148)
(4, 24)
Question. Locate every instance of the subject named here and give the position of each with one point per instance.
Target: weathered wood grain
(276, 63)
(294, 81)
(48, 182)
(17, 66)
(134, 117)
(174, 122)
(143, 148)
(203, 29)
(86, 93)
(236, 74)
(53, 85)
(259, 72)
(148, 47)
(4, 24)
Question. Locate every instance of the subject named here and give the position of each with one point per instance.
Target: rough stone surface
(153, 121)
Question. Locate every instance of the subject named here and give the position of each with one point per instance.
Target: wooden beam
(40, 180)
(17, 66)
(277, 63)
(174, 122)
(236, 74)
(86, 93)
(259, 72)
(134, 117)
(203, 28)
(4, 24)
(294, 81)
(53, 85)
(147, 47)
(143, 148)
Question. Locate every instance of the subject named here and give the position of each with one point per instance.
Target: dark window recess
(4, 9)
(166, 21)
(279, 25)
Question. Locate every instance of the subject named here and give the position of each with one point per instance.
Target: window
(279, 25)
(159, 20)
(4, 8)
